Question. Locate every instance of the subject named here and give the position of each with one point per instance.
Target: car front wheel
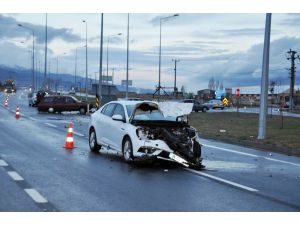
(127, 150)
(204, 109)
(82, 111)
(93, 142)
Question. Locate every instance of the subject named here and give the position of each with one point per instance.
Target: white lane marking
(252, 155)
(35, 195)
(3, 163)
(229, 150)
(50, 125)
(282, 161)
(15, 176)
(79, 134)
(221, 180)
(32, 118)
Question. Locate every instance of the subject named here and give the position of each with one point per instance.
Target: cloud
(117, 40)
(9, 29)
(293, 20)
(242, 32)
(244, 68)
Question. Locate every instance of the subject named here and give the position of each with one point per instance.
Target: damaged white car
(144, 130)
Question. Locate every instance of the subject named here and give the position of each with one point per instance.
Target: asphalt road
(38, 174)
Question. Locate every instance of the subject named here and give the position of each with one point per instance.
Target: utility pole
(292, 55)
(175, 70)
(263, 110)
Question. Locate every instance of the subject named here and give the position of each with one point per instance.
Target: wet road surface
(38, 174)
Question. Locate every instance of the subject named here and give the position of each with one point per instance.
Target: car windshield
(147, 114)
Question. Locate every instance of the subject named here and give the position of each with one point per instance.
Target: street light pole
(127, 61)
(31, 30)
(159, 63)
(75, 69)
(86, 67)
(263, 111)
(100, 66)
(46, 50)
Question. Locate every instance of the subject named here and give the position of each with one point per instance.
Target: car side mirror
(118, 118)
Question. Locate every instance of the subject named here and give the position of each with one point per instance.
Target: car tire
(127, 150)
(82, 111)
(51, 110)
(204, 109)
(196, 111)
(94, 146)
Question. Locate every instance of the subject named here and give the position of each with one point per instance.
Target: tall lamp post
(75, 84)
(32, 31)
(56, 80)
(159, 63)
(86, 67)
(127, 58)
(75, 68)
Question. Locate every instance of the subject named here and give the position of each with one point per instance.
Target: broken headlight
(139, 132)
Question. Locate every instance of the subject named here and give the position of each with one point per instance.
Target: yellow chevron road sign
(225, 101)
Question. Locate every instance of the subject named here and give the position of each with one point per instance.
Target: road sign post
(237, 94)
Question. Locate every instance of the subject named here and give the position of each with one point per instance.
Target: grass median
(242, 129)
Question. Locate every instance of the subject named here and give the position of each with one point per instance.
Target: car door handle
(122, 128)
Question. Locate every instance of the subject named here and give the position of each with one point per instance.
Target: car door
(71, 104)
(59, 103)
(103, 124)
(116, 131)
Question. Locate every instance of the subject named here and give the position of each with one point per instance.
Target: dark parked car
(60, 103)
(197, 106)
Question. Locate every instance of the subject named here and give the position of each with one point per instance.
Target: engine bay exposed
(180, 137)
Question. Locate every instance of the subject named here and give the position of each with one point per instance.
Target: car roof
(126, 102)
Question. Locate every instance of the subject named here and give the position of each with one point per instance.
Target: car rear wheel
(204, 109)
(82, 111)
(127, 150)
(93, 142)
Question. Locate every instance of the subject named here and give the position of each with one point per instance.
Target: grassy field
(242, 129)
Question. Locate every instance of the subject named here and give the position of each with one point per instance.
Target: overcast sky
(227, 47)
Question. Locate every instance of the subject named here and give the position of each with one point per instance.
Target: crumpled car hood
(169, 109)
(175, 109)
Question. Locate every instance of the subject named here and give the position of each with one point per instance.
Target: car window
(108, 110)
(119, 111)
(48, 100)
(59, 100)
(129, 109)
(70, 100)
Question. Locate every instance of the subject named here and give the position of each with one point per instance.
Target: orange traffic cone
(6, 103)
(18, 113)
(70, 140)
